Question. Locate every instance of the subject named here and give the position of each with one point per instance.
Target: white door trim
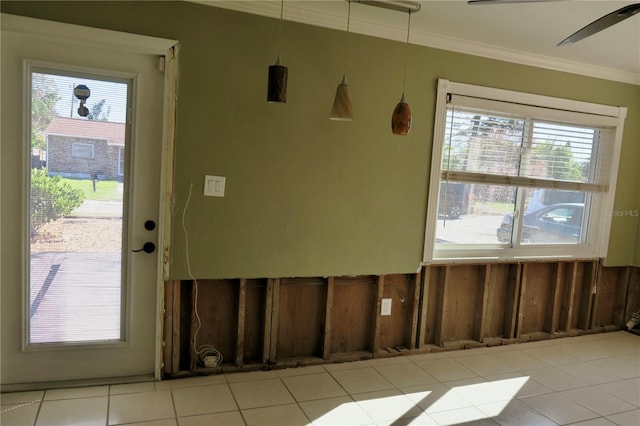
(166, 50)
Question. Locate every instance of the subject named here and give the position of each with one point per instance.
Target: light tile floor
(586, 380)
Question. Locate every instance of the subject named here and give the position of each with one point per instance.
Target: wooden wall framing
(285, 322)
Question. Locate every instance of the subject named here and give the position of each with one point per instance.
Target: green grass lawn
(495, 207)
(106, 190)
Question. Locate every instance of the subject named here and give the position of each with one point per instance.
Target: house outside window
(517, 176)
(82, 150)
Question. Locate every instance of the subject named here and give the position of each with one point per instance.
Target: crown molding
(523, 58)
(313, 15)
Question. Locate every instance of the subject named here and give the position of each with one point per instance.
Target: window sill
(513, 258)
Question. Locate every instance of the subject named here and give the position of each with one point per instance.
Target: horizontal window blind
(502, 143)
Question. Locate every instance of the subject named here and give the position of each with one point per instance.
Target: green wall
(307, 196)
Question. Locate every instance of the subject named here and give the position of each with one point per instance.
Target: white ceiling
(525, 33)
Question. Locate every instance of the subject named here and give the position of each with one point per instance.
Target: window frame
(596, 243)
(121, 161)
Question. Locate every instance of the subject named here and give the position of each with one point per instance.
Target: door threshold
(21, 387)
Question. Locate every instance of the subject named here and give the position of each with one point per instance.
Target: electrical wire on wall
(400, 295)
(205, 355)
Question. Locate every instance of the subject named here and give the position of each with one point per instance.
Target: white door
(80, 191)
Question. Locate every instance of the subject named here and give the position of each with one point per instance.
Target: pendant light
(341, 110)
(277, 83)
(401, 117)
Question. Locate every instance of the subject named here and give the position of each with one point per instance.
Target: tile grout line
(609, 394)
(350, 395)
(173, 403)
(538, 411)
(35, 421)
(108, 404)
(235, 400)
(295, 400)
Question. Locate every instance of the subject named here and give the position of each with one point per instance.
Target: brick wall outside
(104, 162)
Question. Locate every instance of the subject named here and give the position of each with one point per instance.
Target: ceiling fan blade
(602, 23)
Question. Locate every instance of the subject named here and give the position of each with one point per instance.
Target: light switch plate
(385, 307)
(214, 186)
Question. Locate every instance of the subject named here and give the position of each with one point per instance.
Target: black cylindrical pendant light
(277, 85)
(277, 82)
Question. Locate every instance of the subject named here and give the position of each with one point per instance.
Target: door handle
(148, 247)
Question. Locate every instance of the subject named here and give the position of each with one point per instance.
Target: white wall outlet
(214, 186)
(385, 307)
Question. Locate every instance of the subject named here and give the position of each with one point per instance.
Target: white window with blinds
(516, 175)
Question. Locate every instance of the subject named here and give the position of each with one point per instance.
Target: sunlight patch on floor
(453, 406)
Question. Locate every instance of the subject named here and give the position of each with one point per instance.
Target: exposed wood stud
(444, 306)
(415, 310)
(377, 317)
(513, 300)
(521, 304)
(326, 345)
(275, 319)
(612, 297)
(482, 319)
(556, 302)
(242, 307)
(424, 304)
(595, 282)
(571, 296)
(632, 295)
(586, 299)
(192, 354)
(268, 309)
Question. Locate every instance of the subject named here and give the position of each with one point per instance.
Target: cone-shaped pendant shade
(277, 85)
(341, 110)
(401, 118)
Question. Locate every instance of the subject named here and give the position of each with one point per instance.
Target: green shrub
(51, 198)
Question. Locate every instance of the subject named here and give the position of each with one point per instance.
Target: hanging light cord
(280, 27)
(204, 351)
(346, 38)
(406, 55)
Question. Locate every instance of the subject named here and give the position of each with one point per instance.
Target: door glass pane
(76, 206)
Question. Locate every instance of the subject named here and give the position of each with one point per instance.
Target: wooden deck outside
(75, 276)
(75, 297)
